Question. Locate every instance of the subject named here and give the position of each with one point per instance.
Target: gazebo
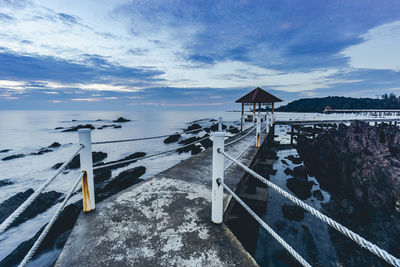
(260, 97)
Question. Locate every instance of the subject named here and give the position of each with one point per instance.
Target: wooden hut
(260, 97)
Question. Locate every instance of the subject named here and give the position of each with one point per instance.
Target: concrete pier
(163, 221)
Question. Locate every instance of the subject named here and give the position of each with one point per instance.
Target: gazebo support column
(241, 118)
(254, 113)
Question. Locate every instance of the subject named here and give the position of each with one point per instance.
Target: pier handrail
(10, 219)
(280, 240)
(46, 230)
(147, 156)
(383, 254)
(147, 138)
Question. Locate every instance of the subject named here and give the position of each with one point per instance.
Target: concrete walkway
(163, 221)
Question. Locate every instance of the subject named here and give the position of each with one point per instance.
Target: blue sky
(193, 54)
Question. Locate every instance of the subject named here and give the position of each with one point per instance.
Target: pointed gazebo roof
(258, 95)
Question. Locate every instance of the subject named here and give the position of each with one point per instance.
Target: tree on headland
(386, 101)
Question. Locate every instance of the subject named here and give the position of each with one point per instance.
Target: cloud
(86, 99)
(379, 50)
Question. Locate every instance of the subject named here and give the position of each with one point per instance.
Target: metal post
(87, 167)
(217, 194)
(219, 124)
(258, 143)
(267, 124)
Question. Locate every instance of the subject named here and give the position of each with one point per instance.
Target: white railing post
(267, 124)
(217, 194)
(219, 124)
(86, 161)
(258, 132)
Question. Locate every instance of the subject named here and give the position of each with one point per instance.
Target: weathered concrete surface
(163, 221)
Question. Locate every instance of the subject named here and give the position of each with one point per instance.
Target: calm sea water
(25, 132)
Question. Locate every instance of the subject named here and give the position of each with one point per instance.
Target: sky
(128, 55)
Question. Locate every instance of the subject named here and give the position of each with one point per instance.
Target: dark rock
(43, 202)
(214, 127)
(295, 160)
(124, 180)
(55, 144)
(16, 156)
(57, 165)
(196, 150)
(207, 129)
(193, 127)
(101, 175)
(100, 128)
(76, 128)
(120, 165)
(58, 128)
(189, 140)
(233, 130)
(121, 119)
(300, 171)
(172, 138)
(359, 166)
(41, 151)
(293, 212)
(56, 237)
(300, 188)
(288, 171)
(284, 162)
(11, 204)
(117, 126)
(75, 163)
(74, 120)
(318, 195)
(186, 148)
(206, 143)
(5, 182)
(5, 150)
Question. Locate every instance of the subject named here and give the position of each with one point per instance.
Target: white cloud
(380, 50)
(86, 99)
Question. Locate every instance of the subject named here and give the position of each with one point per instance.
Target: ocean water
(25, 132)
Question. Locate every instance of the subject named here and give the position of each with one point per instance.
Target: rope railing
(147, 156)
(279, 239)
(10, 219)
(342, 229)
(146, 138)
(46, 230)
(237, 140)
(244, 150)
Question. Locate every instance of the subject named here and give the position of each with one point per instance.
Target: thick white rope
(269, 229)
(145, 138)
(46, 230)
(345, 231)
(6, 223)
(147, 156)
(234, 141)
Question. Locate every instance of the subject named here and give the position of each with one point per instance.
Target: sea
(26, 132)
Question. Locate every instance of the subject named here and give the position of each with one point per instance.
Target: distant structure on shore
(260, 97)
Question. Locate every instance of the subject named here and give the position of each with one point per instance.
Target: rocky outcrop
(75, 163)
(5, 150)
(359, 165)
(55, 144)
(124, 180)
(39, 205)
(16, 156)
(76, 128)
(172, 138)
(193, 128)
(5, 182)
(121, 119)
